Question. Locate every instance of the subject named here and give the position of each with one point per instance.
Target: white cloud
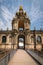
(6, 15)
(6, 12)
(2, 25)
(35, 12)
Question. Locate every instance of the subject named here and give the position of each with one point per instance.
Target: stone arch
(21, 38)
(32, 39)
(39, 39)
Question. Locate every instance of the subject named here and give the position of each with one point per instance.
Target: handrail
(5, 59)
(7, 52)
(4, 56)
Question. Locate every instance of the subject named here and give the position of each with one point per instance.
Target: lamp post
(34, 33)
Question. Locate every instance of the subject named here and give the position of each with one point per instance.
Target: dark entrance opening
(4, 39)
(21, 42)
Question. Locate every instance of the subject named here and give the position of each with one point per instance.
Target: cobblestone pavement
(21, 57)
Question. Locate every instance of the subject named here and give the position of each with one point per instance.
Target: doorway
(21, 42)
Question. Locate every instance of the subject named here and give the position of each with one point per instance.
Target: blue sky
(34, 9)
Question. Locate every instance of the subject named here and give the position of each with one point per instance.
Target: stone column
(42, 42)
(14, 40)
(7, 39)
(34, 34)
(27, 40)
(0, 39)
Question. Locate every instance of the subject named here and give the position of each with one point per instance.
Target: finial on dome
(21, 8)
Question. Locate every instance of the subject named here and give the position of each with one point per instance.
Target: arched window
(4, 39)
(21, 25)
(32, 39)
(39, 39)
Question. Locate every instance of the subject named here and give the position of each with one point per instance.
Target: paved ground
(21, 58)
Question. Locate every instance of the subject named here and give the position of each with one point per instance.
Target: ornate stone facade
(32, 39)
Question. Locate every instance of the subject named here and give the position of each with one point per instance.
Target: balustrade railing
(5, 56)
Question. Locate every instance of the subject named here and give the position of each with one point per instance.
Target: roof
(31, 31)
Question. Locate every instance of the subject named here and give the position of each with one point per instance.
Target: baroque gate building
(21, 36)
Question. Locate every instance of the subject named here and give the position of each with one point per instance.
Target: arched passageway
(21, 42)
